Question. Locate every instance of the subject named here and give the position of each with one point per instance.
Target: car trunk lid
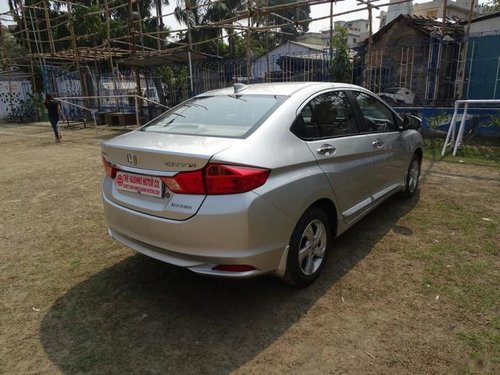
(140, 160)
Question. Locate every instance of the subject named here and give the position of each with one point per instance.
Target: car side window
(378, 117)
(327, 115)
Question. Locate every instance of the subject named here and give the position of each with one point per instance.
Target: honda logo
(131, 159)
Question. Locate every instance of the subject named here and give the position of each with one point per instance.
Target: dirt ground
(412, 289)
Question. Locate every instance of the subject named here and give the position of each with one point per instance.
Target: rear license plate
(136, 183)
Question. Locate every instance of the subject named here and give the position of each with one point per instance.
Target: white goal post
(450, 136)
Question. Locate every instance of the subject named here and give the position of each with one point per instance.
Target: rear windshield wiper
(196, 105)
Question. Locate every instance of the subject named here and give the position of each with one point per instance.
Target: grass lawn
(479, 151)
(413, 288)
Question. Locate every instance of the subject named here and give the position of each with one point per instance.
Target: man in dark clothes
(54, 112)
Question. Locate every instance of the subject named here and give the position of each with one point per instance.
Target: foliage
(10, 49)
(494, 121)
(89, 21)
(88, 24)
(289, 31)
(37, 102)
(341, 67)
(435, 121)
(38, 79)
(289, 23)
(176, 79)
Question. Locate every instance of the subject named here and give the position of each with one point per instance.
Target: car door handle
(378, 143)
(326, 149)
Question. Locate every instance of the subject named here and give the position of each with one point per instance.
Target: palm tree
(221, 10)
(194, 16)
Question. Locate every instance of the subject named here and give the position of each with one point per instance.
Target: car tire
(308, 246)
(412, 177)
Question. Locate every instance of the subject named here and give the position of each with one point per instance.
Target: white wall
(487, 26)
(268, 62)
(12, 94)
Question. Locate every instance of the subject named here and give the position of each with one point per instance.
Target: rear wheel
(308, 246)
(412, 177)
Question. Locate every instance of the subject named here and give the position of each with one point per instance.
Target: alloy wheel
(312, 247)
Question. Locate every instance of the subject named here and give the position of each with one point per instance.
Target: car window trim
(397, 120)
(307, 102)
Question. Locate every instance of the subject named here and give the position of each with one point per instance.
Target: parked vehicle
(257, 179)
(398, 95)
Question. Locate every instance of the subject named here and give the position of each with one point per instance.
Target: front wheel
(412, 177)
(308, 245)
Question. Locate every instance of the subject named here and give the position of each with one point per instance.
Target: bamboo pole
(28, 43)
(49, 29)
(249, 42)
(190, 44)
(108, 43)
(83, 82)
(463, 54)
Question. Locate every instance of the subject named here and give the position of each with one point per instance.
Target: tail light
(217, 179)
(108, 168)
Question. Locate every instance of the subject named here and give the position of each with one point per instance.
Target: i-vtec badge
(177, 164)
(131, 159)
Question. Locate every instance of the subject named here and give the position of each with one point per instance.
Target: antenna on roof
(238, 87)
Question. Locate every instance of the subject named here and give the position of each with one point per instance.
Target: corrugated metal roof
(316, 47)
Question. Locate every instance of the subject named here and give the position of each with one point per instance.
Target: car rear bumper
(223, 232)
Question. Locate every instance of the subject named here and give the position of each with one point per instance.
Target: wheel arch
(328, 207)
(419, 153)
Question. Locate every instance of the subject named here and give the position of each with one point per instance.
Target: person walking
(54, 114)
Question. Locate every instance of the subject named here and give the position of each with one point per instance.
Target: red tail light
(217, 179)
(186, 182)
(232, 179)
(108, 168)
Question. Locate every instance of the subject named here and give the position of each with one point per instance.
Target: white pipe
(496, 79)
(94, 111)
(461, 129)
(112, 96)
(450, 131)
(479, 101)
(470, 66)
(450, 136)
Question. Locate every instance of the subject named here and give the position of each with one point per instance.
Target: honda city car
(257, 179)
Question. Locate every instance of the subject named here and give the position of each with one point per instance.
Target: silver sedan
(257, 179)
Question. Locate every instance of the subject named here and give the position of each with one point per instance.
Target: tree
(10, 51)
(293, 19)
(221, 10)
(341, 67)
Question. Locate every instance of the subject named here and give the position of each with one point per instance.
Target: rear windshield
(232, 116)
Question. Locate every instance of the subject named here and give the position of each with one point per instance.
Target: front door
(388, 145)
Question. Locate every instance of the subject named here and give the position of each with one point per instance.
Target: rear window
(232, 116)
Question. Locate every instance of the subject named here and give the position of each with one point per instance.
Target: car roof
(279, 88)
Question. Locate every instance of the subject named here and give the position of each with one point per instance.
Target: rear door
(388, 145)
(327, 124)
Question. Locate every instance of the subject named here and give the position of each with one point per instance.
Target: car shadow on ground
(141, 315)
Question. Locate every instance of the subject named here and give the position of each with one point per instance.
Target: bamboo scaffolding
(50, 49)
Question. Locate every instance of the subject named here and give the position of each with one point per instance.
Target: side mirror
(411, 122)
